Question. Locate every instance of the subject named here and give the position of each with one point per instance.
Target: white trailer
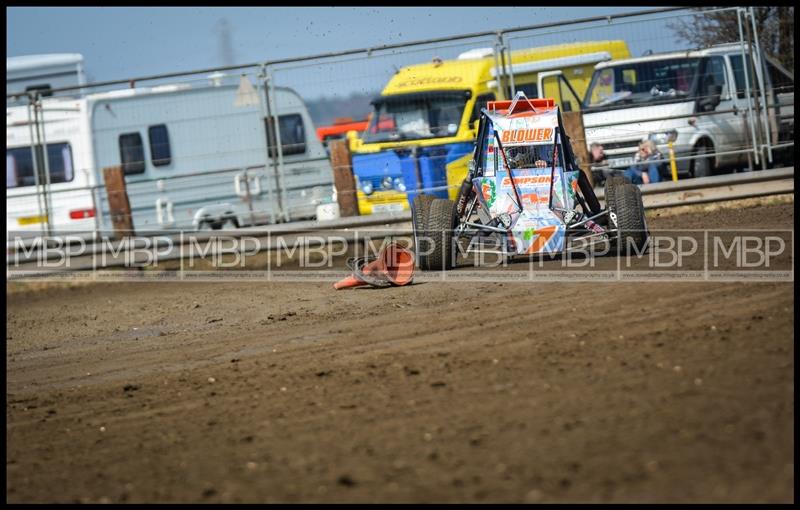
(43, 72)
(194, 158)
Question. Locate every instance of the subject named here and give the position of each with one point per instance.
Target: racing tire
(628, 208)
(439, 224)
(612, 183)
(702, 165)
(419, 213)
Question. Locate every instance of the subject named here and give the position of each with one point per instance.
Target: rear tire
(628, 207)
(439, 224)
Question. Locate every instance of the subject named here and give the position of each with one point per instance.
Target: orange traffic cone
(352, 281)
(394, 265)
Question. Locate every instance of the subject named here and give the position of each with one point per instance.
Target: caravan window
(131, 153)
(293, 135)
(160, 153)
(19, 165)
(45, 90)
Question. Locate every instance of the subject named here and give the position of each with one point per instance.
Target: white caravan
(43, 73)
(194, 158)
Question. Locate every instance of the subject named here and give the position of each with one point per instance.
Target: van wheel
(628, 207)
(702, 166)
(439, 225)
(234, 221)
(419, 212)
(211, 224)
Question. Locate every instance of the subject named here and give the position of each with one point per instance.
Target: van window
(480, 102)
(19, 165)
(293, 135)
(642, 82)
(160, 153)
(781, 82)
(531, 90)
(131, 153)
(714, 75)
(738, 74)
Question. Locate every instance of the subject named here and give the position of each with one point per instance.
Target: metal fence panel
(663, 93)
(239, 144)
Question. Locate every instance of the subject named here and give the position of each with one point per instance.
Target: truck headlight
(367, 188)
(664, 137)
(399, 185)
(386, 183)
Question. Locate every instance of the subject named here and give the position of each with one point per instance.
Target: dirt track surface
(289, 392)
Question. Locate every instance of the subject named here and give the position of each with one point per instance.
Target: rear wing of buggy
(521, 104)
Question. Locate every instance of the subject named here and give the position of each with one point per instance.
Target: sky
(121, 43)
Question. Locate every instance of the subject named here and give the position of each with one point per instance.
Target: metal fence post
(95, 205)
(506, 70)
(749, 96)
(499, 74)
(35, 159)
(261, 79)
(761, 85)
(756, 92)
(277, 132)
(270, 121)
(507, 48)
(41, 128)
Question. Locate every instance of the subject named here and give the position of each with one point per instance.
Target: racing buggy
(524, 190)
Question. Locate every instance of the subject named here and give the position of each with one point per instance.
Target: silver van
(695, 99)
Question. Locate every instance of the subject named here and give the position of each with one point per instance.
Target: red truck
(339, 129)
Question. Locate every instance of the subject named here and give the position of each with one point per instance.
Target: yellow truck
(422, 128)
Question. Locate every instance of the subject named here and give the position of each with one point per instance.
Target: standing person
(645, 167)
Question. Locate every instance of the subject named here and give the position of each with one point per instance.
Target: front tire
(419, 213)
(702, 165)
(612, 183)
(439, 239)
(628, 208)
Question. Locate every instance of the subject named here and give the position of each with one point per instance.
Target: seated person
(598, 163)
(528, 156)
(645, 168)
(597, 154)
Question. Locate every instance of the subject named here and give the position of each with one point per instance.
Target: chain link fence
(236, 146)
